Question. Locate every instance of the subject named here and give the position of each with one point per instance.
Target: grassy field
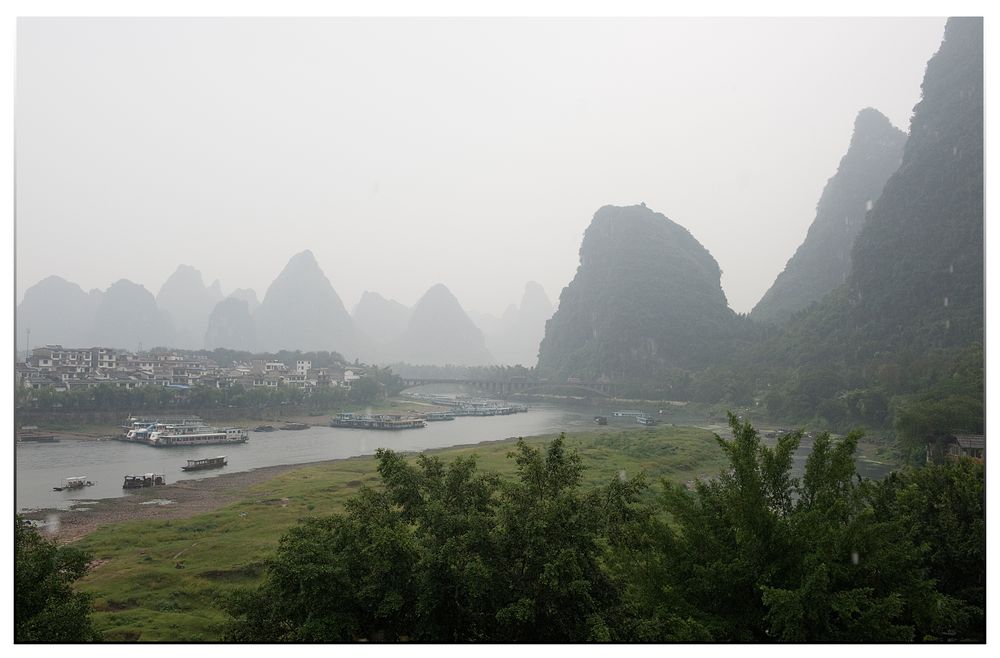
(162, 581)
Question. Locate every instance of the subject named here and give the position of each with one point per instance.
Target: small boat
(601, 420)
(76, 482)
(142, 481)
(294, 426)
(201, 464)
(264, 428)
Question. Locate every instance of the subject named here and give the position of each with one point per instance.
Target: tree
(727, 539)
(942, 510)
(46, 609)
(851, 576)
(443, 552)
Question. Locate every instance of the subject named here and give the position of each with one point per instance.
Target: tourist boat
(75, 482)
(137, 429)
(143, 481)
(601, 420)
(438, 415)
(377, 422)
(170, 436)
(202, 464)
(294, 426)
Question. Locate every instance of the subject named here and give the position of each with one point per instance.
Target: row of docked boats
(176, 432)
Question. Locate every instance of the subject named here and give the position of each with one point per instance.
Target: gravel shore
(179, 500)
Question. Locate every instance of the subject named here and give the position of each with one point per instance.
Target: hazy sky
(408, 152)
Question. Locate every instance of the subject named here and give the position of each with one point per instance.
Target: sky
(410, 152)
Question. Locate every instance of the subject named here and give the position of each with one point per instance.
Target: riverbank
(247, 419)
(182, 499)
(158, 572)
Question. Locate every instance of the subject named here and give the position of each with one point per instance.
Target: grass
(163, 581)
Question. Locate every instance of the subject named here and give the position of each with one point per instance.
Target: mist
(409, 152)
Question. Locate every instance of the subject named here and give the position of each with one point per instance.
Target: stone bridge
(504, 388)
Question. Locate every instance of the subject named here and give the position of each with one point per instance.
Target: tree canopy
(46, 608)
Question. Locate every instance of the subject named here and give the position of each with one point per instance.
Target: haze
(409, 152)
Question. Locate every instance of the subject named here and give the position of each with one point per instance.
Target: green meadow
(163, 581)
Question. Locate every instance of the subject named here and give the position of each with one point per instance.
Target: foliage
(444, 552)
(756, 555)
(944, 511)
(46, 609)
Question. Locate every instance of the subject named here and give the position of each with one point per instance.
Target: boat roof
(77, 477)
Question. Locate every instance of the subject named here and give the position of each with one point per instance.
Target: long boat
(438, 415)
(205, 436)
(137, 429)
(376, 422)
(202, 464)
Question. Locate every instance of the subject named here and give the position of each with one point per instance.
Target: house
(956, 446)
(966, 445)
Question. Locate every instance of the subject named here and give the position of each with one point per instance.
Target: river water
(41, 466)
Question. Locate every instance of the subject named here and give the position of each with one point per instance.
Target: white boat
(75, 482)
(138, 429)
(169, 437)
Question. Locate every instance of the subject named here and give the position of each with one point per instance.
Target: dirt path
(180, 500)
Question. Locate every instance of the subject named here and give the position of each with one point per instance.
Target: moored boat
(142, 481)
(376, 422)
(264, 428)
(294, 426)
(137, 429)
(75, 482)
(169, 437)
(202, 464)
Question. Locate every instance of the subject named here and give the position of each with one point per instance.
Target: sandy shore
(186, 498)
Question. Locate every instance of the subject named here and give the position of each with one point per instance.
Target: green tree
(445, 553)
(852, 574)
(942, 511)
(340, 578)
(720, 544)
(46, 609)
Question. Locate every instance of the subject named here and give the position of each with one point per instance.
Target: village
(64, 368)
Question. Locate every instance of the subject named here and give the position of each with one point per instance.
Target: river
(41, 466)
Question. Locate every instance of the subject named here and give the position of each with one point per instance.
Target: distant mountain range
(300, 311)
(884, 292)
(882, 302)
